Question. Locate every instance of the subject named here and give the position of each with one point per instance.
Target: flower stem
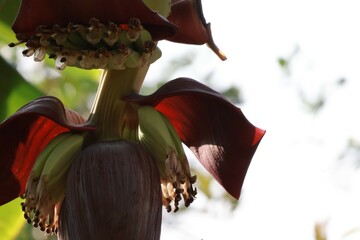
(114, 118)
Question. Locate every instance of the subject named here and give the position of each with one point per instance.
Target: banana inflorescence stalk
(45, 188)
(159, 137)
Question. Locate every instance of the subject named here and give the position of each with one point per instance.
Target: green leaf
(7, 35)
(11, 220)
(8, 10)
(15, 91)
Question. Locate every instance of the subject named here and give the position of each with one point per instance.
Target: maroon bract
(34, 13)
(25, 134)
(186, 23)
(216, 131)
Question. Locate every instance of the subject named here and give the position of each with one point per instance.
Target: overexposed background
(297, 64)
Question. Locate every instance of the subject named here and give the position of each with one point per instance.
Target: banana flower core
(116, 186)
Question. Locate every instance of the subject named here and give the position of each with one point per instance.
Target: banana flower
(116, 168)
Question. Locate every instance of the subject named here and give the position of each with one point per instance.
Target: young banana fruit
(160, 139)
(93, 46)
(45, 188)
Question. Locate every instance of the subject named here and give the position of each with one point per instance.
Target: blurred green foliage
(11, 220)
(8, 10)
(15, 91)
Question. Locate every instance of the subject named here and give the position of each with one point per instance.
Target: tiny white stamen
(87, 61)
(44, 40)
(39, 54)
(101, 61)
(95, 31)
(96, 45)
(28, 52)
(117, 60)
(60, 62)
(60, 38)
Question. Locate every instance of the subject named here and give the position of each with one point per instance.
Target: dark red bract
(217, 132)
(25, 134)
(34, 13)
(186, 23)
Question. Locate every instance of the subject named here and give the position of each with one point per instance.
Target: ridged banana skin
(44, 155)
(159, 137)
(178, 145)
(33, 180)
(154, 134)
(45, 192)
(175, 137)
(53, 176)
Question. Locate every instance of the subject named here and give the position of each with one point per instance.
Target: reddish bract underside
(188, 17)
(34, 13)
(216, 131)
(24, 135)
(186, 22)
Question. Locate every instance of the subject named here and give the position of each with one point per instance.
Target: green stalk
(114, 118)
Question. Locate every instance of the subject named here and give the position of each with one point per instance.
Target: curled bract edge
(185, 24)
(26, 134)
(224, 143)
(216, 131)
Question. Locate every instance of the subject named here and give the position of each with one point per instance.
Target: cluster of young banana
(160, 139)
(97, 46)
(45, 188)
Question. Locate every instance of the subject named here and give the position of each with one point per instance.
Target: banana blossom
(216, 131)
(121, 38)
(182, 22)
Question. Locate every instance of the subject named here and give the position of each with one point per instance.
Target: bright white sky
(296, 178)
